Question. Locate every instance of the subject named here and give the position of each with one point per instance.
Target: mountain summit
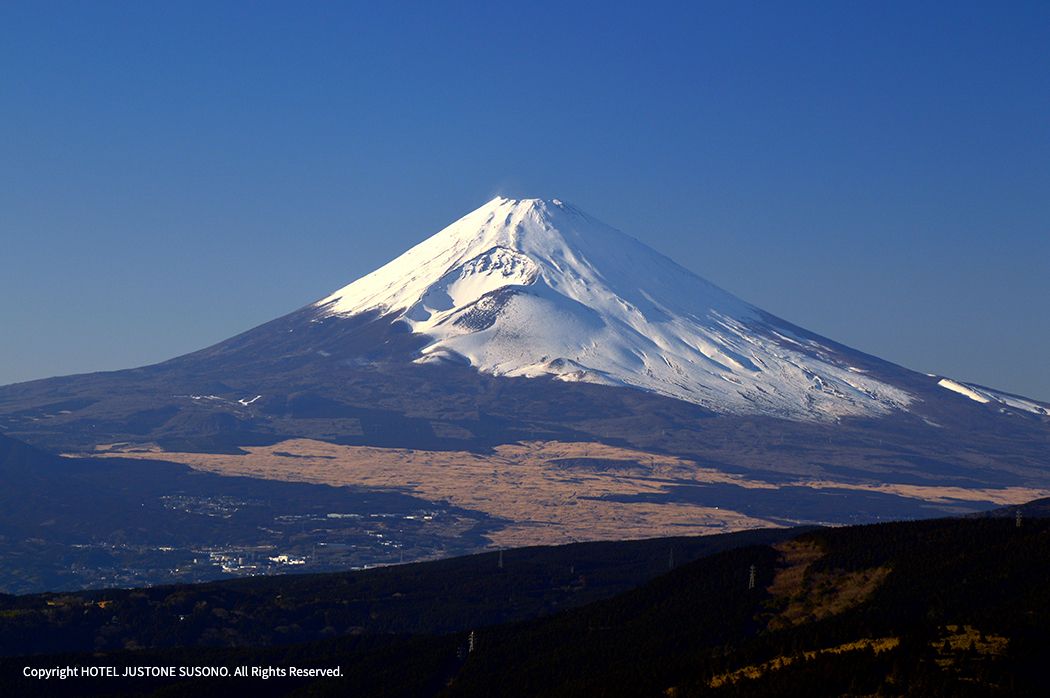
(533, 287)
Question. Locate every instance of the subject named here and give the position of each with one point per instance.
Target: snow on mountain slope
(987, 395)
(536, 287)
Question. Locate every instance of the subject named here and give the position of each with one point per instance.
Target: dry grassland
(529, 485)
(547, 491)
(754, 671)
(805, 596)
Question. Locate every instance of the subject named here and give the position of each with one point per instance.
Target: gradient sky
(174, 173)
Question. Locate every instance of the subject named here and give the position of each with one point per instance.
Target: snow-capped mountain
(533, 367)
(531, 287)
(526, 322)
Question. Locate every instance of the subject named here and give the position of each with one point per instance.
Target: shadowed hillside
(941, 607)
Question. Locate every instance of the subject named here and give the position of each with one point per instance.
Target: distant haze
(173, 174)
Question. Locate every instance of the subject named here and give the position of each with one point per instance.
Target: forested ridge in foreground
(936, 607)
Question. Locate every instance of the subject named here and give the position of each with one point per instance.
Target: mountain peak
(528, 203)
(525, 210)
(536, 287)
(513, 235)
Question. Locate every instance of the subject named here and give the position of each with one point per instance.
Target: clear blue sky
(174, 173)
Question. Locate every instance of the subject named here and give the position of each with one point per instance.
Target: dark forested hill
(437, 597)
(942, 607)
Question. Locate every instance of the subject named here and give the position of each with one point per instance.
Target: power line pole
(1017, 519)
(751, 578)
(470, 643)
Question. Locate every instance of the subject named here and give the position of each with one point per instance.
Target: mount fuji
(532, 287)
(530, 348)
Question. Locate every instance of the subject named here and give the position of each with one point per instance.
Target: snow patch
(969, 392)
(987, 395)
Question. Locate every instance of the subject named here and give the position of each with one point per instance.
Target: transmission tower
(751, 578)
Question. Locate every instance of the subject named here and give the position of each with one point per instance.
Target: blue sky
(174, 173)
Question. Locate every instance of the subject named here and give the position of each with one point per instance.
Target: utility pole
(470, 643)
(1017, 519)
(751, 578)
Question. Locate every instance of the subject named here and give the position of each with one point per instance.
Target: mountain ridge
(942, 607)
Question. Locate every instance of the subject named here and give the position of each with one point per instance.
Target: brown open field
(804, 596)
(754, 671)
(546, 490)
(527, 484)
